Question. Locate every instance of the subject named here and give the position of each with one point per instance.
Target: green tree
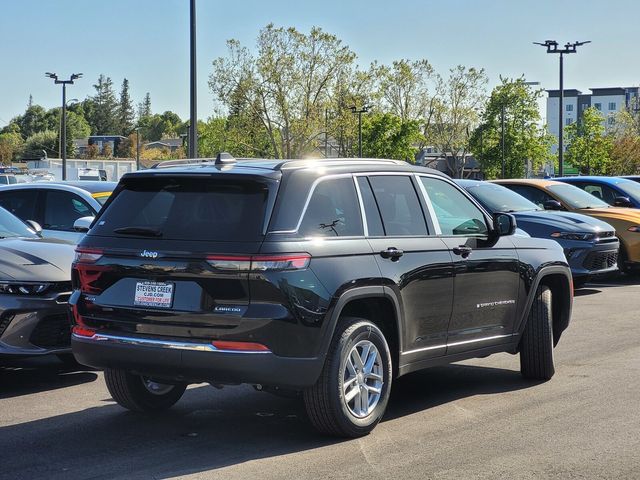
(589, 147)
(385, 135)
(46, 140)
(144, 107)
(524, 139)
(102, 108)
(454, 115)
(33, 120)
(286, 85)
(126, 114)
(159, 126)
(11, 144)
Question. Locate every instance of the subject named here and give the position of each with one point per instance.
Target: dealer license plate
(153, 294)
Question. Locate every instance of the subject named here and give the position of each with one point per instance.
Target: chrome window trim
(455, 344)
(169, 344)
(309, 195)
(363, 214)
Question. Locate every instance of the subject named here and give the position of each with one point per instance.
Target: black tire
(325, 402)
(130, 392)
(536, 345)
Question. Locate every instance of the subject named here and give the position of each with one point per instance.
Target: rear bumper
(194, 362)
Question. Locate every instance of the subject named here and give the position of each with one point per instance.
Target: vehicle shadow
(583, 292)
(34, 375)
(209, 429)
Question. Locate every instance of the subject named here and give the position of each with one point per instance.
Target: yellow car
(552, 195)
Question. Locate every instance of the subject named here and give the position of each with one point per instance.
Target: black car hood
(564, 221)
(35, 259)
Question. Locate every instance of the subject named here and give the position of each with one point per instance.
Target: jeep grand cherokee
(330, 278)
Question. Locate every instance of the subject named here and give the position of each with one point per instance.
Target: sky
(147, 41)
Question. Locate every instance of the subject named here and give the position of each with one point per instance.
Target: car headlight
(574, 235)
(16, 288)
(635, 228)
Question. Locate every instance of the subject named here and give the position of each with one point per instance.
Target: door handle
(462, 250)
(392, 252)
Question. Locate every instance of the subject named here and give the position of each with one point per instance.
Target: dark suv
(330, 278)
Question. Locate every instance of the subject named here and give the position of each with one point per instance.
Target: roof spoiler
(223, 158)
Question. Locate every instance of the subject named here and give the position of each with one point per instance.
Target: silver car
(56, 206)
(35, 284)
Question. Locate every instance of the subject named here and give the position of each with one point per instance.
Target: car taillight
(81, 331)
(85, 270)
(259, 263)
(87, 255)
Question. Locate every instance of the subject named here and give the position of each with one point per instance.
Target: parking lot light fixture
(359, 112)
(63, 124)
(553, 47)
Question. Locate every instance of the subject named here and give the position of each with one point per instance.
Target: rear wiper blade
(144, 231)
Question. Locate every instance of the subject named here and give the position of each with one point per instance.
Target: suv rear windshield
(187, 209)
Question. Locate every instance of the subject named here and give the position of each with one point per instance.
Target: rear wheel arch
(380, 306)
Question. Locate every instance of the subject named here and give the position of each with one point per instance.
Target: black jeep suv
(328, 277)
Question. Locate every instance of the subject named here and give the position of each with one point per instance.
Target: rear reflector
(81, 331)
(239, 346)
(259, 263)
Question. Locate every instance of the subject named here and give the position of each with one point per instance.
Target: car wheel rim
(362, 379)
(155, 387)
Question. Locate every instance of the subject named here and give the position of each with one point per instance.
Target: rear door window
(399, 206)
(22, 203)
(333, 210)
(177, 208)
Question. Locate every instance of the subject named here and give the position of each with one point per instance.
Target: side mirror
(622, 202)
(552, 205)
(83, 224)
(35, 226)
(504, 224)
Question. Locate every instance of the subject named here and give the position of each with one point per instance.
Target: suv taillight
(259, 263)
(85, 274)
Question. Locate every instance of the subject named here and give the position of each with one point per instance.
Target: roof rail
(223, 158)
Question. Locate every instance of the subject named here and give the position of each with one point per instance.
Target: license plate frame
(153, 294)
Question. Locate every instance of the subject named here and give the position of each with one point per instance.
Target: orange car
(553, 195)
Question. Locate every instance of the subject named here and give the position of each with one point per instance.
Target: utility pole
(502, 139)
(193, 130)
(552, 47)
(63, 125)
(355, 111)
(137, 129)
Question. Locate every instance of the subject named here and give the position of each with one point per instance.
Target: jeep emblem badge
(148, 254)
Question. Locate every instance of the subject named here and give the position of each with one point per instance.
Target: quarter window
(333, 211)
(399, 206)
(456, 214)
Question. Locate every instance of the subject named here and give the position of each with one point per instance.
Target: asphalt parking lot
(477, 419)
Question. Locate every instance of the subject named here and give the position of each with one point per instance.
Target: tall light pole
(552, 47)
(137, 129)
(63, 126)
(193, 130)
(359, 112)
(73, 100)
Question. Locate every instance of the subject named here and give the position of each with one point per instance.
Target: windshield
(497, 198)
(576, 197)
(11, 226)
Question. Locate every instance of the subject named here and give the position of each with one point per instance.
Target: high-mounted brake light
(260, 263)
(88, 255)
(240, 346)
